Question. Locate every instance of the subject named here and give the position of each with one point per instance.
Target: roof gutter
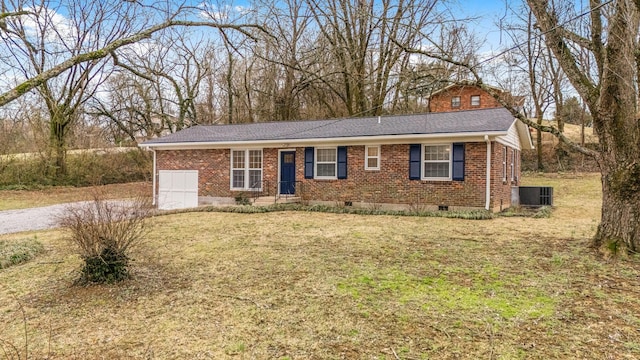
(385, 139)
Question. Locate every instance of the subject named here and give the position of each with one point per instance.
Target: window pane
(289, 158)
(255, 159)
(372, 151)
(436, 170)
(238, 159)
(326, 155)
(443, 153)
(372, 162)
(326, 170)
(238, 178)
(475, 100)
(440, 152)
(504, 163)
(455, 101)
(255, 179)
(428, 152)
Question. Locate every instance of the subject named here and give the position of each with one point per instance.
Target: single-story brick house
(448, 160)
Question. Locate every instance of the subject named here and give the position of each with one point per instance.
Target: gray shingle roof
(472, 121)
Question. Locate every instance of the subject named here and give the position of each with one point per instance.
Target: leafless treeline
(268, 61)
(277, 60)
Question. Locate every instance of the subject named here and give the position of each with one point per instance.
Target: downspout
(488, 182)
(153, 202)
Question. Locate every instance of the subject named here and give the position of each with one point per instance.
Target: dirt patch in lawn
(295, 285)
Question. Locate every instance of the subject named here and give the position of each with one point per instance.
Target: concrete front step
(270, 200)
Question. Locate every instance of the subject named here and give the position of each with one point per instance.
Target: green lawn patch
(15, 252)
(481, 294)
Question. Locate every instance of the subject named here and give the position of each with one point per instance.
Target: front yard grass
(299, 285)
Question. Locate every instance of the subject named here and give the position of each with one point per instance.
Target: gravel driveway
(40, 218)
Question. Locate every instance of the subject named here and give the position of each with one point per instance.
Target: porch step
(270, 200)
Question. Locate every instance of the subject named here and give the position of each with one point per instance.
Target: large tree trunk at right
(619, 228)
(618, 130)
(612, 98)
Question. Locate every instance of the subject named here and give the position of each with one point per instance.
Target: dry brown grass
(294, 285)
(573, 132)
(22, 199)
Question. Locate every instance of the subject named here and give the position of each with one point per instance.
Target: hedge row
(83, 169)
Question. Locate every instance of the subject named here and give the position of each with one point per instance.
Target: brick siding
(441, 101)
(389, 185)
(501, 189)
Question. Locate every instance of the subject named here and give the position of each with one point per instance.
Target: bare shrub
(418, 206)
(104, 232)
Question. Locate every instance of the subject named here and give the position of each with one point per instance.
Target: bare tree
(611, 96)
(574, 112)
(610, 92)
(209, 104)
(284, 62)
(365, 40)
(29, 84)
(62, 57)
(127, 106)
(532, 60)
(157, 90)
(43, 37)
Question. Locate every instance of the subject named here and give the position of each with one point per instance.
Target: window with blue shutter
(458, 162)
(342, 162)
(414, 161)
(308, 163)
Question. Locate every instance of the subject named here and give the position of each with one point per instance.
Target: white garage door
(177, 189)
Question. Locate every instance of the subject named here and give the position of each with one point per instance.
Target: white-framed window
(513, 164)
(504, 164)
(436, 162)
(455, 101)
(326, 163)
(246, 169)
(475, 100)
(372, 157)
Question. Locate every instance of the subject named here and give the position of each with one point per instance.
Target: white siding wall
(511, 139)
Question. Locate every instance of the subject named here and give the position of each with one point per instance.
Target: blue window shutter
(458, 162)
(414, 161)
(308, 163)
(342, 162)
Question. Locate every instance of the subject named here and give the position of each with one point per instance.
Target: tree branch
(548, 129)
(41, 78)
(497, 95)
(12, 13)
(548, 22)
(580, 40)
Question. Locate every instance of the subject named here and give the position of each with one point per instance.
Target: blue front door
(287, 172)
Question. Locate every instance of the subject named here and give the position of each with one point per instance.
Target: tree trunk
(539, 145)
(612, 102)
(582, 116)
(619, 229)
(616, 124)
(229, 79)
(57, 143)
